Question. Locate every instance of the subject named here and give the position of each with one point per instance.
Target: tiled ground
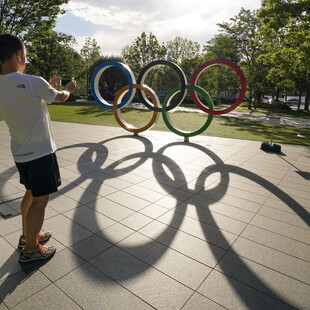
(153, 222)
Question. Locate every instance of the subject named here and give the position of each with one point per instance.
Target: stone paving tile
(116, 233)
(110, 209)
(233, 294)
(10, 225)
(186, 244)
(292, 183)
(266, 280)
(251, 196)
(8, 260)
(89, 219)
(90, 247)
(8, 189)
(3, 306)
(154, 211)
(80, 195)
(128, 200)
(238, 202)
(176, 265)
(157, 187)
(94, 186)
(136, 221)
(281, 228)
(142, 280)
(294, 193)
(198, 302)
(62, 203)
(278, 242)
(144, 193)
(62, 263)
(203, 231)
(66, 231)
(213, 218)
(88, 288)
(245, 186)
(54, 299)
(293, 267)
(290, 206)
(22, 285)
(286, 217)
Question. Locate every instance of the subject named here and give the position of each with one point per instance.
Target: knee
(41, 201)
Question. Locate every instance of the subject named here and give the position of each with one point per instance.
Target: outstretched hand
(55, 82)
(71, 86)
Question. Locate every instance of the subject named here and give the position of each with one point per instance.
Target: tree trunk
(299, 100)
(307, 99)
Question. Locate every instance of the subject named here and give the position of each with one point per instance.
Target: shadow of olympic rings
(159, 162)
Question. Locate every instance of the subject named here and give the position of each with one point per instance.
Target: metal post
(272, 135)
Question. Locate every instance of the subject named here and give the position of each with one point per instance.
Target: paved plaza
(153, 222)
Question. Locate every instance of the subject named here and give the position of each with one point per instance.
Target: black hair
(9, 44)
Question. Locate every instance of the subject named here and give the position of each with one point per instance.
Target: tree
(90, 52)
(28, 19)
(54, 55)
(144, 49)
(286, 33)
(181, 49)
(220, 81)
(243, 31)
(223, 46)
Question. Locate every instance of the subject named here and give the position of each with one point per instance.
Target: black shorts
(41, 176)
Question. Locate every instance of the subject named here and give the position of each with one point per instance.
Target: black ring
(143, 75)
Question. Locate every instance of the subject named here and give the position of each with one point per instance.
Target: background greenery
(271, 45)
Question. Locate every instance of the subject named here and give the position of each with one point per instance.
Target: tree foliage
(245, 47)
(180, 49)
(54, 55)
(28, 19)
(271, 45)
(222, 46)
(286, 33)
(144, 49)
(90, 51)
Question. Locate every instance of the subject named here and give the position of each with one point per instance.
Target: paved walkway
(151, 222)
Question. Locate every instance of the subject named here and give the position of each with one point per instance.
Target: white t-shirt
(23, 101)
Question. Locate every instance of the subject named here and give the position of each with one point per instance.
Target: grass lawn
(228, 127)
(276, 111)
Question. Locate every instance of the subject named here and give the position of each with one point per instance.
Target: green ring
(166, 117)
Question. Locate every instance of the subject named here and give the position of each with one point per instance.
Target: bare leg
(34, 221)
(26, 203)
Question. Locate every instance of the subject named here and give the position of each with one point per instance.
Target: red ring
(213, 62)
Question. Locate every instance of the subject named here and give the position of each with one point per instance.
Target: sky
(117, 23)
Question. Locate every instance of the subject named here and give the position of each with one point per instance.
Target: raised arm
(62, 95)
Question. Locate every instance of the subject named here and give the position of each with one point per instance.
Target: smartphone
(64, 82)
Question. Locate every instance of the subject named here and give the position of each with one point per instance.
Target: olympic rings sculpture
(126, 94)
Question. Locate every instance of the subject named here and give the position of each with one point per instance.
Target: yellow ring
(117, 111)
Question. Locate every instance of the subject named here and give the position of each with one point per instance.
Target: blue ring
(95, 88)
